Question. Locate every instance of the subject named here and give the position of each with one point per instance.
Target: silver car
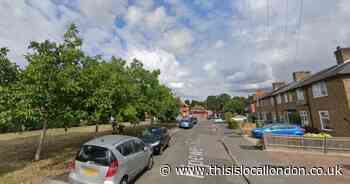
(111, 159)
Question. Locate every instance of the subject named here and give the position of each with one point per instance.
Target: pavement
(212, 144)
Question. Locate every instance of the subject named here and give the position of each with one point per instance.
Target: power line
(286, 20)
(267, 19)
(301, 7)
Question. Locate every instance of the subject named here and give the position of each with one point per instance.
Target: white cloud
(134, 15)
(178, 41)
(210, 68)
(218, 44)
(203, 48)
(171, 71)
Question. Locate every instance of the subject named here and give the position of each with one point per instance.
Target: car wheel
(160, 150)
(150, 163)
(124, 180)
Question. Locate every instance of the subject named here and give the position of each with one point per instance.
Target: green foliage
(232, 124)
(64, 87)
(224, 103)
(319, 135)
(9, 72)
(295, 118)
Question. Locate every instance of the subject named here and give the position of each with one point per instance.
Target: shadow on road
(250, 147)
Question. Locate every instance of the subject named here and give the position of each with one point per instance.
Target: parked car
(240, 118)
(219, 120)
(278, 129)
(157, 138)
(186, 123)
(110, 159)
(194, 120)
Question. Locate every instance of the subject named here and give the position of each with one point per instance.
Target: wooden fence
(325, 145)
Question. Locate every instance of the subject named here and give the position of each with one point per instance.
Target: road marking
(195, 157)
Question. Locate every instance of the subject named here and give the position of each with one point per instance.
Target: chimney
(301, 75)
(259, 93)
(276, 85)
(342, 55)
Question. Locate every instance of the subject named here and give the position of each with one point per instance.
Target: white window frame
(300, 95)
(263, 116)
(304, 118)
(285, 95)
(281, 116)
(279, 99)
(286, 116)
(319, 89)
(272, 101)
(274, 116)
(322, 118)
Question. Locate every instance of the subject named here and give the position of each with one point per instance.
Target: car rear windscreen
(98, 155)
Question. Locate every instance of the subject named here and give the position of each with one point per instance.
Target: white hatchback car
(112, 159)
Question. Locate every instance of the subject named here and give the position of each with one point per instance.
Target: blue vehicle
(278, 129)
(186, 124)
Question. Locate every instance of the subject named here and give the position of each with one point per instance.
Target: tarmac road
(188, 146)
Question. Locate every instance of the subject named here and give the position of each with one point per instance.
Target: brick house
(199, 112)
(320, 101)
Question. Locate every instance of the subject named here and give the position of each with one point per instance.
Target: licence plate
(90, 171)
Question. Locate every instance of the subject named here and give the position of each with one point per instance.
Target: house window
(304, 118)
(263, 116)
(324, 119)
(272, 101)
(286, 117)
(279, 99)
(281, 117)
(274, 117)
(285, 98)
(300, 95)
(319, 89)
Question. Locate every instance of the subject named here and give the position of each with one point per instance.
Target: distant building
(199, 112)
(258, 94)
(184, 109)
(319, 101)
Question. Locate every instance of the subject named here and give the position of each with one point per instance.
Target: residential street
(202, 136)
(206, 138)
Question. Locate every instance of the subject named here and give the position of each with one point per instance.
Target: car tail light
(71, 165)
(112, 169)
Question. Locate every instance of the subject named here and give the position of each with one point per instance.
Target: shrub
(320, 135)
(311, 130)
(232, 124)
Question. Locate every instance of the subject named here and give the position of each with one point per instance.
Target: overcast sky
(202, 47)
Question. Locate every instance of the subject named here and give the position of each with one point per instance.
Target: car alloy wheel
(124, 180)
(160, 150)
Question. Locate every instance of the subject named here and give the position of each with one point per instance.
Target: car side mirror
(145, 148)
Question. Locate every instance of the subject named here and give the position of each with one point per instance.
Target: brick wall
(336, 103)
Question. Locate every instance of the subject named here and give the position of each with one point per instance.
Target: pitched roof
(325, 74)
(332, 71)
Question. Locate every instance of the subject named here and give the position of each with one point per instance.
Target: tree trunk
(41, 140)
(96, 129)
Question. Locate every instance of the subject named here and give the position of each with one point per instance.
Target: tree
(235, 105)
(61, 87)
(212, 103)
(222, 99)
(8, 71)
(9, 77)
(50, 80)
